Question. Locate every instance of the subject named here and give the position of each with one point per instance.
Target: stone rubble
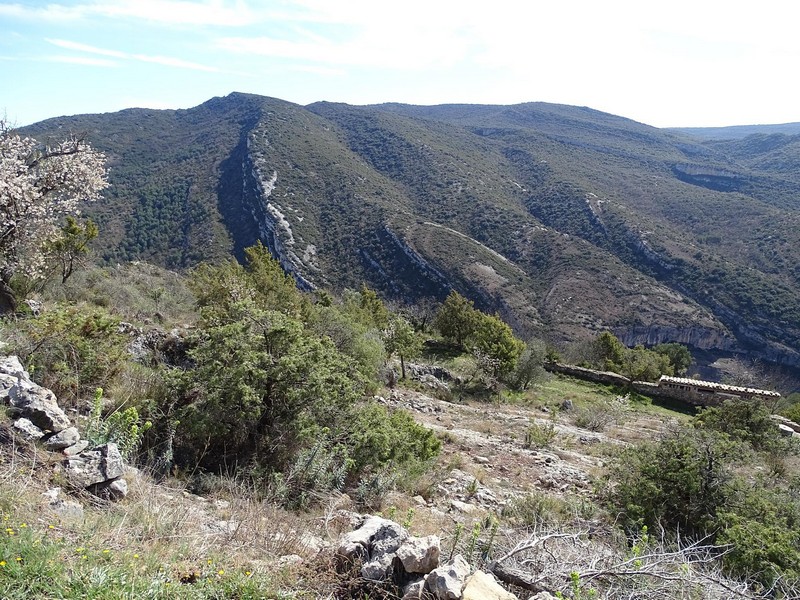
(387, 552)
(38, 418)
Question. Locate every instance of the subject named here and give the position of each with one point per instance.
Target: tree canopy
(40, 184)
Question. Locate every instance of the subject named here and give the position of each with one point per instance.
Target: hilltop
(564, 220)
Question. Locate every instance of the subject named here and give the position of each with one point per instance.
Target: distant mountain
(738, 132)
(563, 219)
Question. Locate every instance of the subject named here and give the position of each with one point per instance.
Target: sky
(690, 63)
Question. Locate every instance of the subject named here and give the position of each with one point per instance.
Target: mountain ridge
(563, 219)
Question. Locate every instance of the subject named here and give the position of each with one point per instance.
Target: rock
(419, 555)
(113, 490)
(289, 560)
(788, 422)
(222, 526)
(77, 448)
(419, 501)
(67, 509)
(63, 439)
(94, 466)
(543, 596)
(118, 489)
(785, 430)
(12, 373)
(27, 430)
(567, 405)
(433, 383)
(379, 568)
(374, 539)
(313, 544)
(413, 590)
(39, 405)
(447, 582)
(482, 460)
(462, 507)
(482, 586)
(35, 306)
(52, 494)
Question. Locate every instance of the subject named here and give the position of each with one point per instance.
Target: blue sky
(677, 63)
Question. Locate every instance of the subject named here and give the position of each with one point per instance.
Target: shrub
(72, 349)
(679, 482)
(379, 437)
(596, 416)
(743, 420)
(123, 427)
(539, 436)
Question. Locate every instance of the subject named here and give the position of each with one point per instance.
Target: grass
(158, 543)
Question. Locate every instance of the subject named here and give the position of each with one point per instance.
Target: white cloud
(83, 60)
(161, 60)
(70, 45)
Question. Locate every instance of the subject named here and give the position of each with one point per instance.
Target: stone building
(707, 393)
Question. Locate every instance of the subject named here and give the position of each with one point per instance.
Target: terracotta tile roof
(710, 385)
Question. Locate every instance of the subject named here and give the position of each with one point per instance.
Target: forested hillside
(563, 219)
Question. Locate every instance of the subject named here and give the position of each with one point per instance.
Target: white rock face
(28, 430)
(94, 466)
(447, 582)
(63, 439)
(419, 555)
(482, 586)
(38, 405)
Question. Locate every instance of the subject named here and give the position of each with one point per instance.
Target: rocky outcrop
(39, 419)
(697, 337)
(38, 405)
(387, 552)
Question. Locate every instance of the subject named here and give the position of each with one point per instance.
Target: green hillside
(564, 219)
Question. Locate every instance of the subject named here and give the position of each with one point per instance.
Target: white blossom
(39, 186)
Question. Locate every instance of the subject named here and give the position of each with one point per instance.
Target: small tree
(608, 351)
(72, 243)
(401, 339)
(40, 185)
(641, 364)
(457, 319)
(529, 367)
(680, 359)
(374, 308)
(494, 339)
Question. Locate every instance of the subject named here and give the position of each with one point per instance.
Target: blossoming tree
(40, 184)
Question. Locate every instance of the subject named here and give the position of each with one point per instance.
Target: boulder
(447, 582)
(419, 555)
(94, 466)
(27, 430)
(375, 536)
(482, 586)
(413, 590)
(12, 373)
(38, 405)
(65, 509)
(63, 439)
(76, 448)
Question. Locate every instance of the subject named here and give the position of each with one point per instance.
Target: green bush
(761, 527)
(680, 482)
(539, 436)
(72, 349)
(123, 427)
(380, 437)
(743, 420)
